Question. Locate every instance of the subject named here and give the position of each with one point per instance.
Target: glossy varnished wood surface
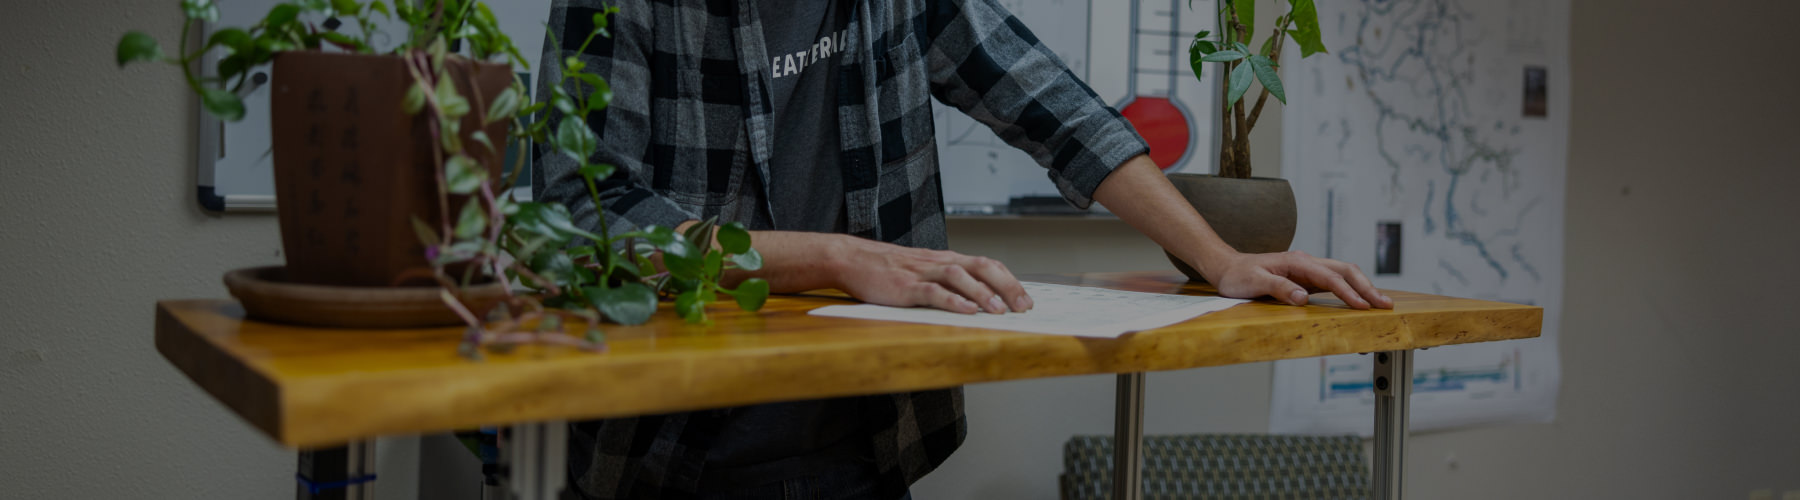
(310, 387)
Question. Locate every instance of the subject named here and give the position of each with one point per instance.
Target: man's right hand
(889, 274)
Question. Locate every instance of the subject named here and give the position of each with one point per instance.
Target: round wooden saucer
(267, 297)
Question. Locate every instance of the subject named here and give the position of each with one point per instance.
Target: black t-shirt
(803, 39)
(777, 441)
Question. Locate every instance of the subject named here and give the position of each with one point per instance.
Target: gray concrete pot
(1254, 215)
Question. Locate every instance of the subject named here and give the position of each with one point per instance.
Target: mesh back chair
(1224, 466)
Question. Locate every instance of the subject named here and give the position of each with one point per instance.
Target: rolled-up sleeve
(987, 64)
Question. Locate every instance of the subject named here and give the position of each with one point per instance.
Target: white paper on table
(1059, 310)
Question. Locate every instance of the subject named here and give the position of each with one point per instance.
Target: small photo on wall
(1387, 248)
(1537, 102)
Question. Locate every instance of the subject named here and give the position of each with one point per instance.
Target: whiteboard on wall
(236, 169)
(1134, 55)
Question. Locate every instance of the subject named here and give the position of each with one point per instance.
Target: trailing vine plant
(572, 274)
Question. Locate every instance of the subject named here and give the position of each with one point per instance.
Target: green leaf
(715, 263)
(700, 234)
(575, 139)
(235, 39)
(266, 43)
(751, 294)
(414, 100)
(550, 220)
(136, 46)
(378, 6)
(1239, 82)
(682, 259)
(203, 10)
(426, 235)
(233, 65)
(504, 105)
(450, 133)
(1246, 14)
(658, 237)
(472, 220)
(1265, 72)
(600, 20)
(222, 103)
(561, 100)
(597, 171)
(734, 238)
(458, 252)
(404, 9)
(450, 102)
(481, 137)
(627, 304)
(1306, 27)
(342, 41)
(750, 260)
(281, 15)
(601, 96)
(1197, 52)
(346, 7)
(463, 175)
(558, 267)
(690, 306)
(1223, 56)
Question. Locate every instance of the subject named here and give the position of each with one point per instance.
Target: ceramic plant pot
(1254, 215)
(352, 169)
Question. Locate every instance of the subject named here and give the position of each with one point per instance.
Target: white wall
(1680, 378)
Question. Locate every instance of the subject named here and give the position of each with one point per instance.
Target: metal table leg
(534, 457)
(343, 473)
(1128, 438)
(1393, 387)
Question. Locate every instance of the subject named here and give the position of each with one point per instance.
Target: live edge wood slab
(315, 387)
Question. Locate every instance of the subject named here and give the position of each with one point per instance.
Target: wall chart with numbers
(1429, 147)
(1134, 54)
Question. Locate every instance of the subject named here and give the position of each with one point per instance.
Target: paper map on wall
(1429, 147)
(1134, 55)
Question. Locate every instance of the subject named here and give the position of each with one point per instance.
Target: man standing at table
(810, 122)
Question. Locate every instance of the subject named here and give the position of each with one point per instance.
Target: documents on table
(1059, 310)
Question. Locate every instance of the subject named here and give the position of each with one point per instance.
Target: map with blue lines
(1429, 147)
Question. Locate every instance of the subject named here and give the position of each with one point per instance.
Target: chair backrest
(1224, 466)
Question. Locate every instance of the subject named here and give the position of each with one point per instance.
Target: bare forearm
(883, 273)
(1141, 196)
(792, 261)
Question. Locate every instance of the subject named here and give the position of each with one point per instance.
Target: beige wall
(1679, 376)
(100, 221)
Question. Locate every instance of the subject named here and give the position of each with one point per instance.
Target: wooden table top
(312, 387)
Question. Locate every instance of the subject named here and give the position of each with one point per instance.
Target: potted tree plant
(388, 172)
(1252, 214)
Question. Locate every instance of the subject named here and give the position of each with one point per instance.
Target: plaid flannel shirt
(689, 129)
